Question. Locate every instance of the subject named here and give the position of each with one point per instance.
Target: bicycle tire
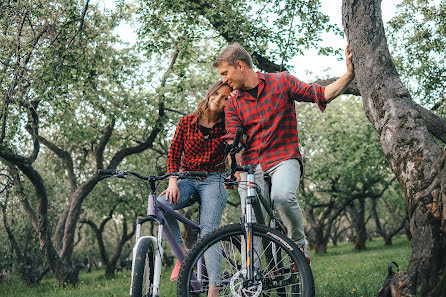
(142, 278)
(289, 276)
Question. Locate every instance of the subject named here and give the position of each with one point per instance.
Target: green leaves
(278, 30)
(341, 149)
(417, 39)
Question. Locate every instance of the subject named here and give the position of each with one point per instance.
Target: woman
(198, 146)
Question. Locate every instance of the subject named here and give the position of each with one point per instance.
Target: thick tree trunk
(77, 200)
(64, 272)
(415, 158)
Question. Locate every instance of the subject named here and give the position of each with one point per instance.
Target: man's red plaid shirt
(269, 122)
(196, 153)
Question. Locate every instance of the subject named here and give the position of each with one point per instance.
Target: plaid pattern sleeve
(269, 121)
(233, 118)
(301, 91)
(176, 148)
(193, 150)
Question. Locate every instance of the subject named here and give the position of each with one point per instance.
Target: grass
(341, 272)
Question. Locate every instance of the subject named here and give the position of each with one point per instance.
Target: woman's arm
(173, 162)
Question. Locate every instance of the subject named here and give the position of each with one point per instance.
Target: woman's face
(218, 99)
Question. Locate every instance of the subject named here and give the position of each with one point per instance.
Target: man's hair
(233, 53)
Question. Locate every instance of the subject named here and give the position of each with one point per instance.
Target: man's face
(233, 75)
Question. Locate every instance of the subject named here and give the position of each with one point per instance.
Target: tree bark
(414, 156)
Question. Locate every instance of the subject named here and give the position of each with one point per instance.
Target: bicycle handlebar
(122, 174)
(233, 149)
(238, 134)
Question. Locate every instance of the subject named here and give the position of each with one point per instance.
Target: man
(263, 106)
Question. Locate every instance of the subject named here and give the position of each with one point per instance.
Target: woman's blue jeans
(212, 196)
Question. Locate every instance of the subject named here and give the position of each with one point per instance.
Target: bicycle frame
(246, 219)
(154, 214)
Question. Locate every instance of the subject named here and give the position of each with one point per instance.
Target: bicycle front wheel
(143, 270)
(280, 268)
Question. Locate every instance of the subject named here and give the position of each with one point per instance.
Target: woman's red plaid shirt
(195, 152)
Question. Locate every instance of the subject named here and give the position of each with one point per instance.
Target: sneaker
(175, 272)
(304, 250)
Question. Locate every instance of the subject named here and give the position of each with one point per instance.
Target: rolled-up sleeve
(300, 91)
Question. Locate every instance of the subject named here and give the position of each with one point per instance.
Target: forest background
(76, 98)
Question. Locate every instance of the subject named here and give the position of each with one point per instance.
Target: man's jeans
(212, 196)
(285, 178)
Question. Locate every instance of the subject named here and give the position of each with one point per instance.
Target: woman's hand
(172, 192)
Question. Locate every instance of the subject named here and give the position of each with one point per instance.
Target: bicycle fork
(253, 277)
(247, 223)
(158, 249)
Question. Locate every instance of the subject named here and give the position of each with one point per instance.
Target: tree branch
(34, 132)
(176, 111)
(102, 143)
(120, 155)
(23, 199)
(435, 124)
(81, 24)
(66, 158)
(11, 236)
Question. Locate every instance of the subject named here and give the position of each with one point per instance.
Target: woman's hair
(204, 104)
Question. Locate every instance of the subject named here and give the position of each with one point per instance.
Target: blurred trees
(345, 170)
(70, 103)
(417, 38)
(74, 99)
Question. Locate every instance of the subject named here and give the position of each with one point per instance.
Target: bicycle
(148, 250)
(255, 260)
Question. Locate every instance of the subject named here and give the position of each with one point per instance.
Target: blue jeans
(212, 196)
(285, 178)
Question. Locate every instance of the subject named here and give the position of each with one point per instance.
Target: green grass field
(339, 273)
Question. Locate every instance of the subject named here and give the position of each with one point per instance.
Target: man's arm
(338, 87)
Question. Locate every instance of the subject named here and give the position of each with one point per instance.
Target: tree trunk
(25, 268)
(359, 226)
(110, 263)
(111, 267)
(415, 158)
(317, 239)
(63, 271)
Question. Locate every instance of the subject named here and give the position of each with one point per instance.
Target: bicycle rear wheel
(280, 267)
(142, 272)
